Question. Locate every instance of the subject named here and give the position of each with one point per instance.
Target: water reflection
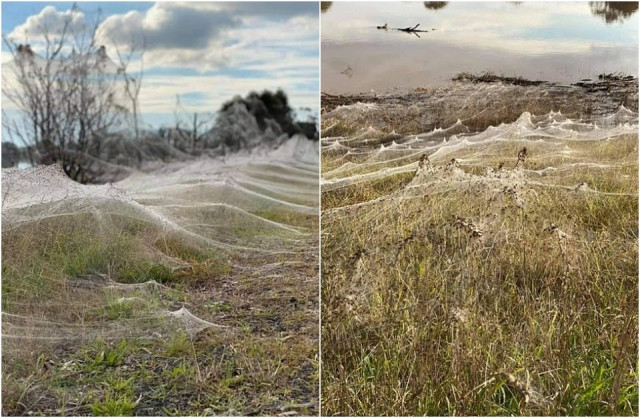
(435, 5)
(559, 42)
(613, 11)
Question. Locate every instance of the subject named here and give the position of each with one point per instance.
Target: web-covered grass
(187, 290)
(487, 271)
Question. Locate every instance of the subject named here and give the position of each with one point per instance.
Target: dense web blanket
(239, 205)
(456, 220)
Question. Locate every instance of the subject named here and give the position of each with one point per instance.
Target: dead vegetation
(494, 78)
(493, 279)
(477, 105)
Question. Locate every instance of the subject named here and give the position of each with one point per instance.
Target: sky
(202, 52)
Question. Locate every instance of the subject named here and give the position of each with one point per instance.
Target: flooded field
(188, 289)
(558, 42)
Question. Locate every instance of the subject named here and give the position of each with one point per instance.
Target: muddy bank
(479, 102)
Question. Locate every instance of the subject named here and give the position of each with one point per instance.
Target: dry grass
(485, 291)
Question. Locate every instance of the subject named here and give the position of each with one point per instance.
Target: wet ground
(478, 103)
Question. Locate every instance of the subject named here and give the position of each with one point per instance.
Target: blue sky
(204, 52)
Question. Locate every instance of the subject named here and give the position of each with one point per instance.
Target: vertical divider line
(319, 209)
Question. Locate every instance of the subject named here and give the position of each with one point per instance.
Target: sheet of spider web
(220, 204)
(462, 155)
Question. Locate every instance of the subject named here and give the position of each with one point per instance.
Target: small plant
(215, 307)
(114, 406)
(181, 370)
(161, 274)
(119, 309)
(107, 356)
(146, 271)
(120, 384)
(179, 345)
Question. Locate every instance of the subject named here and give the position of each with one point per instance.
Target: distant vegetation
(435, 5)
(613, 11)
(325, 5)
(258, 118)
(79, 108)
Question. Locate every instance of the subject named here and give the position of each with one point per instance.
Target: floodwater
(558, 42)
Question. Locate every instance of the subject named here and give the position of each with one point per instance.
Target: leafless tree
(193, 137)
(68, 95)
(132, 84)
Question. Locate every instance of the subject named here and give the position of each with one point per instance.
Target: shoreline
(478, 104)
(607, 83)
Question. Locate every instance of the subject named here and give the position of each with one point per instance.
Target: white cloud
(274, 44)
(275, 10)
(167, 26)
(207, 36)
(6, 57)
(48, 22)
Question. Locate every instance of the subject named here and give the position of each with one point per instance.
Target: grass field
(108, 311)
(488, 280)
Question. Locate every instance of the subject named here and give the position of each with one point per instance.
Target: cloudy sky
(204, 52)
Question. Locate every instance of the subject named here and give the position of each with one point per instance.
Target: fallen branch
(408, 29)
(413, 29)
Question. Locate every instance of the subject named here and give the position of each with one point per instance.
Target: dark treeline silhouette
(613, 11)
(257, 119)
(435, 5)
(10, 154)
(325, 5)
(265, 106)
